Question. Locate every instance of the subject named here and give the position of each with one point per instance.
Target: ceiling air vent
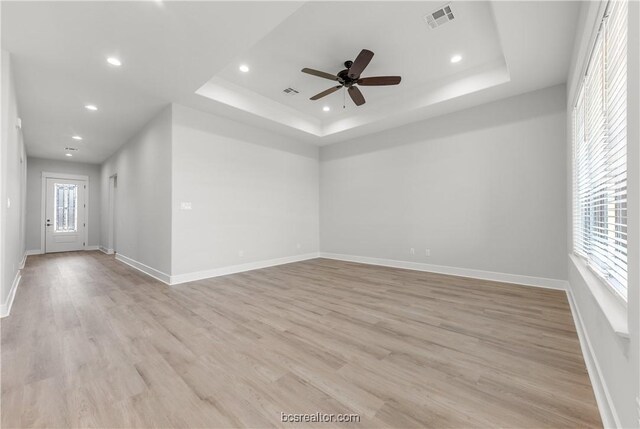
(439, 17)
(290, 91)
(71, 149)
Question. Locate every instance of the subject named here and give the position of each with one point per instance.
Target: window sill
(612, 307)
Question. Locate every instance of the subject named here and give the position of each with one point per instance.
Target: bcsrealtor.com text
(319, 417)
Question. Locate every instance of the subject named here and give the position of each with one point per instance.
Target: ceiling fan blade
(326, 92)
(360, 63)
(379, 80)
(356, 96)
(320, 73)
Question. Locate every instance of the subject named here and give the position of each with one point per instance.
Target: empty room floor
(92, 342)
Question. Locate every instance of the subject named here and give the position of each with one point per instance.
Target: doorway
(64, 220)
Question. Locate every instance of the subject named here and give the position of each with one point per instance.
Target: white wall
(482, 188)
(143, 197)
(615, 372)
(251, 191)
(13, 177)
(34, 197)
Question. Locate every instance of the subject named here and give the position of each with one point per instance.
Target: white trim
(613, 308)
(5, 308)
(454, 271)
(111, 214)
(23, 262)
(606, 407)
(105, 250)
(158, 275)
(223, 271)
(593, 18)
(34, 252)
(94, 247)
(43, 201)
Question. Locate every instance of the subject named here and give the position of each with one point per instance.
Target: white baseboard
(40, 252)
(607, 410)
(23, 262)
(158, 275)
(454, 271)
(105, 250)
(223, 271)
(5, 308)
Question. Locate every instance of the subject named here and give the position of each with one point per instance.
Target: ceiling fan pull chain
(344, 97)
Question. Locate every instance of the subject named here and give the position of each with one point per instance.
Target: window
(65, 213)
(600, 154)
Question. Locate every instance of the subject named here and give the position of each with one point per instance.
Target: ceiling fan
(350, 77)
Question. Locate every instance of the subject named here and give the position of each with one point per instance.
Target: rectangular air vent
(439, 17)
(71, 148)
(290, 91)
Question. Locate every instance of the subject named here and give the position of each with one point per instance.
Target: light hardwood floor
(92, 342)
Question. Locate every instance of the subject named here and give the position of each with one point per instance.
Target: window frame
(597, 36)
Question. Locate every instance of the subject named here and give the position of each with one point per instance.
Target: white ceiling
(323, 38)
(170, 50)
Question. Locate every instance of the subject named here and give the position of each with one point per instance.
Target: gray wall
(34, 196)
(143, 197)
(483, 188)
(251, 191)
(13, 164)
(617, 357)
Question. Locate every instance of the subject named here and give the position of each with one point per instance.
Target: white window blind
(600, 154)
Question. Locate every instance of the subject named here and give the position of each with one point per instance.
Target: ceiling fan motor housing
(344, 79)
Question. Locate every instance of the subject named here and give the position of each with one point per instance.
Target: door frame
(111, 220)
(43, 205)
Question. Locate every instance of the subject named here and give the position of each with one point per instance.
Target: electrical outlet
(241, 253)
(412, 251)
(427, 252)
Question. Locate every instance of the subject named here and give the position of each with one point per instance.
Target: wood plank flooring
(92, 342)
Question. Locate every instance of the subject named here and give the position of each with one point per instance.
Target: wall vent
(290, 91)
(71, 148)
(439, 17)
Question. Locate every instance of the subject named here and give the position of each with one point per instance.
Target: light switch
(185, 206)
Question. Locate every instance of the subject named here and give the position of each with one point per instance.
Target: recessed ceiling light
(244, 68)
(456, 58)
(90, 107)
(67, 154)
(326, 108)
(76, 138)
(114, 61)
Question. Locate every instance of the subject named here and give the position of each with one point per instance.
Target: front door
(64, 215)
